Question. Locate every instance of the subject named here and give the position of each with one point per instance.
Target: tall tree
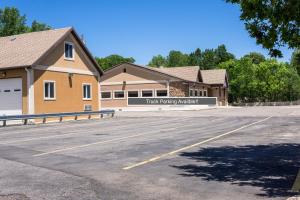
(255, 57)
(36, 26)
(112, 60)
(177, 59)
(295, 60)
(13, 23)
(273, 23)
(195, 57)
(158, 61)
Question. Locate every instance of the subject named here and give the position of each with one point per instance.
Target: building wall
(69, 92)
(56, 57)
(221, 93)
(179, 89)
(111, 103)
(19, 73)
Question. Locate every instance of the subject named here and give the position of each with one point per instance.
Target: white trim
(168, 88)
(91, 93)
(132, 82)
(73, 50)
(54, 92)
(133, 90)
(161, 96)
(65, 69)
(30, 89)
(119, 91)
(153, 94)
(111, 95)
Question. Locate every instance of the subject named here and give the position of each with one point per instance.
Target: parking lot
(229, 153)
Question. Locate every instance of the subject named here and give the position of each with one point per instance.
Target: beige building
(130, 80)
(47, 72)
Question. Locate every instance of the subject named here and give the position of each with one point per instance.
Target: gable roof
(27, 49)
(214, 76)
(187, 73)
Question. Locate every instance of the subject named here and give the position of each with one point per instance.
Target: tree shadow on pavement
(272, 167)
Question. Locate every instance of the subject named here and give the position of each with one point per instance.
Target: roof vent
(13, 39)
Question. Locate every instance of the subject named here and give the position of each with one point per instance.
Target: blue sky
(143, 28)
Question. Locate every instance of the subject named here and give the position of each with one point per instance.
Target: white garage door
(11, 96)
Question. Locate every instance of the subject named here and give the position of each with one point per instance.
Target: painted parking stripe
(72, 133)
(103, 142)
(191, 146)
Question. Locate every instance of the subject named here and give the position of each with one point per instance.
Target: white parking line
(79, 132)
(107, 141)
(190, 146)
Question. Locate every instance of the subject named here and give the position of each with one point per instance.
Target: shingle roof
(188, 73)
(214, 76)
(25, 49)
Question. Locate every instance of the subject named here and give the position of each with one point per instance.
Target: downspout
(30, 90)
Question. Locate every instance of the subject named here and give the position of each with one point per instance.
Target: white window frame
(91, 89)
(193, 92)
(111, 94)
(161, 89)
(54, 92)
(200, 93)
(119, 91)
(138, 91)
(73, 50)
(153, 94)
(205, 93)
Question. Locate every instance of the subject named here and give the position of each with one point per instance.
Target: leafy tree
(221, 54)
(208, 59)
(158, 61)
(36, 26)
(295, 61)
(177, 59)
(112, 60)
(268, 80)
(273, 23)
(255, 57)
(195, 58)
(13, 23)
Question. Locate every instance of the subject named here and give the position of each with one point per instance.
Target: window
(133, 93)
(106, 95)
(191, 92)
(200, 93)
(124, 70)
(161, 93)
(69, 51)
(147, 93)
(87, 92)
(49, 90)
(119, 94)
(205, 93)
(196, 93)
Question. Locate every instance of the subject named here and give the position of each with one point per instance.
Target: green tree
(113, 60)
(273, 23)
(158, 61)
(36, 26)
(13, 23)
(177, 59)
(255, 57)
(195, 58)
(268, 80)
(295, 60)
(222, 55)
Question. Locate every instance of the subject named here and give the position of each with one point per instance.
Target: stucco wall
(56, 57)
(110, 103)
(69, 92)
(19, 73)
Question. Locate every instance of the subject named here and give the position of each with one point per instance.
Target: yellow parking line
(191, 146)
